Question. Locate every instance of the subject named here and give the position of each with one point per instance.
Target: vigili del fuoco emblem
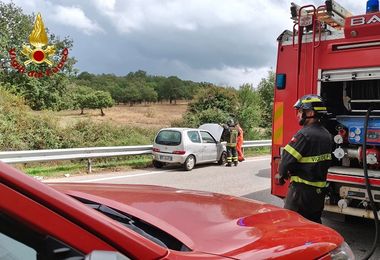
(38, 52)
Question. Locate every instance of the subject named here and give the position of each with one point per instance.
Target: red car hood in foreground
(215, 223)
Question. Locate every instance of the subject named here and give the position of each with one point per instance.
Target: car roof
(180, 129)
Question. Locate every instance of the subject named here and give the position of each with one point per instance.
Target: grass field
(152, 116)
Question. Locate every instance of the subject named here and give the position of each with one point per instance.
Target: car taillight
(156, 150)
(179, 152)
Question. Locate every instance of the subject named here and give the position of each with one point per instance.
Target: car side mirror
(105, 255)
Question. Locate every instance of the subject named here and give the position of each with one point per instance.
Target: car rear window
(168, 137)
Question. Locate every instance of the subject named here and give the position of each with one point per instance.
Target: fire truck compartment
(351, 91)
(348, 94)
(355, 126)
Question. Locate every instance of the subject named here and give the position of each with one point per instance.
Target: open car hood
(215, 129)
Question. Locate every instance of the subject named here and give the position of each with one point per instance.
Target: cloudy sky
(226, 42)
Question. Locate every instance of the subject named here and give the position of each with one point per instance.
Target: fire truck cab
(336, 55)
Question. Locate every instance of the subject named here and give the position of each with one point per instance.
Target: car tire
(157, 164)
(223, 158)
(189, 163)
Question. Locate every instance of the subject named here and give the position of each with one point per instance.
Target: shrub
(20, 129)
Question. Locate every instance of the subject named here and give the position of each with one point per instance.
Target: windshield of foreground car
(147, 230)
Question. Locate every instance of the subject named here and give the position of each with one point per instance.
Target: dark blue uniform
(305, 160)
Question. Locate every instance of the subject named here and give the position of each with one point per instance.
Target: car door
(209, 148)
(43, 223)
(195, 146)
(40, 233)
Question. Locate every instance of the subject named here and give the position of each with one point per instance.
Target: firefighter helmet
(311, 102)
(231, 122)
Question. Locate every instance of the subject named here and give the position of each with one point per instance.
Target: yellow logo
(37, 53)
(38, 38)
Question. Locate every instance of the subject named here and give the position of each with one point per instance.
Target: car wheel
(223, 158)
(189, 163)
(157, 164)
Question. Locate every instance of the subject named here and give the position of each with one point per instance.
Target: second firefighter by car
(230, 135)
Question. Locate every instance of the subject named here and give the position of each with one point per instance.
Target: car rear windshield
(168, 137)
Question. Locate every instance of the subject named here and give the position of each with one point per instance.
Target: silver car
(187, 146)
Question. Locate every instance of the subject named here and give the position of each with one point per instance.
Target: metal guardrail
(91, 152)
(257, 143)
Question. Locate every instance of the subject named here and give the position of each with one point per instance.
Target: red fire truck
(336, 55)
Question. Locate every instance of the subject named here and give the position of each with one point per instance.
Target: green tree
(148, 94)
(85, 76)
(250, 112)
(118, 94)
(224, 99)
(100, 100)
(82, 98)
(265, 90)
(174, 89)
(211, 105)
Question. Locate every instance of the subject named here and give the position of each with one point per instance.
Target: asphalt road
(250, 179)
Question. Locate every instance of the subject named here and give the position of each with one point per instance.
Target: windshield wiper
(141, 227)
(125, 220)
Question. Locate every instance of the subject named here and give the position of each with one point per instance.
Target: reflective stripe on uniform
(311, 100)
(309, 159)
(293, 152)
(315, 159)
(318, 184)
(320, 108)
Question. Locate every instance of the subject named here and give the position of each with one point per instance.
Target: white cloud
(220, 41)
(105, 5)
(134, 15)
(225, 76)
(229, 76)
(75, 17)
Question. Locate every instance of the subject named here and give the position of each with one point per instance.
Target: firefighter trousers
(306, 200)
(231, 155)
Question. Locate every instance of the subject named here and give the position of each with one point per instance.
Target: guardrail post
(89, 166)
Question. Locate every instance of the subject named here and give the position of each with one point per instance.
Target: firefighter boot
(235, 163)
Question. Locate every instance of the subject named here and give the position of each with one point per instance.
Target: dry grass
(152, 115)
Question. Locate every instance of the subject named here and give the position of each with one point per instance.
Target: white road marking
(156, 172)
(121, 177)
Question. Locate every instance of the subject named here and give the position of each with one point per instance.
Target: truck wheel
(189, 163)
(157, 164)
(223, 158)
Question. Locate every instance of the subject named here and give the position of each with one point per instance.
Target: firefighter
(230, 134)
(306, 159)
